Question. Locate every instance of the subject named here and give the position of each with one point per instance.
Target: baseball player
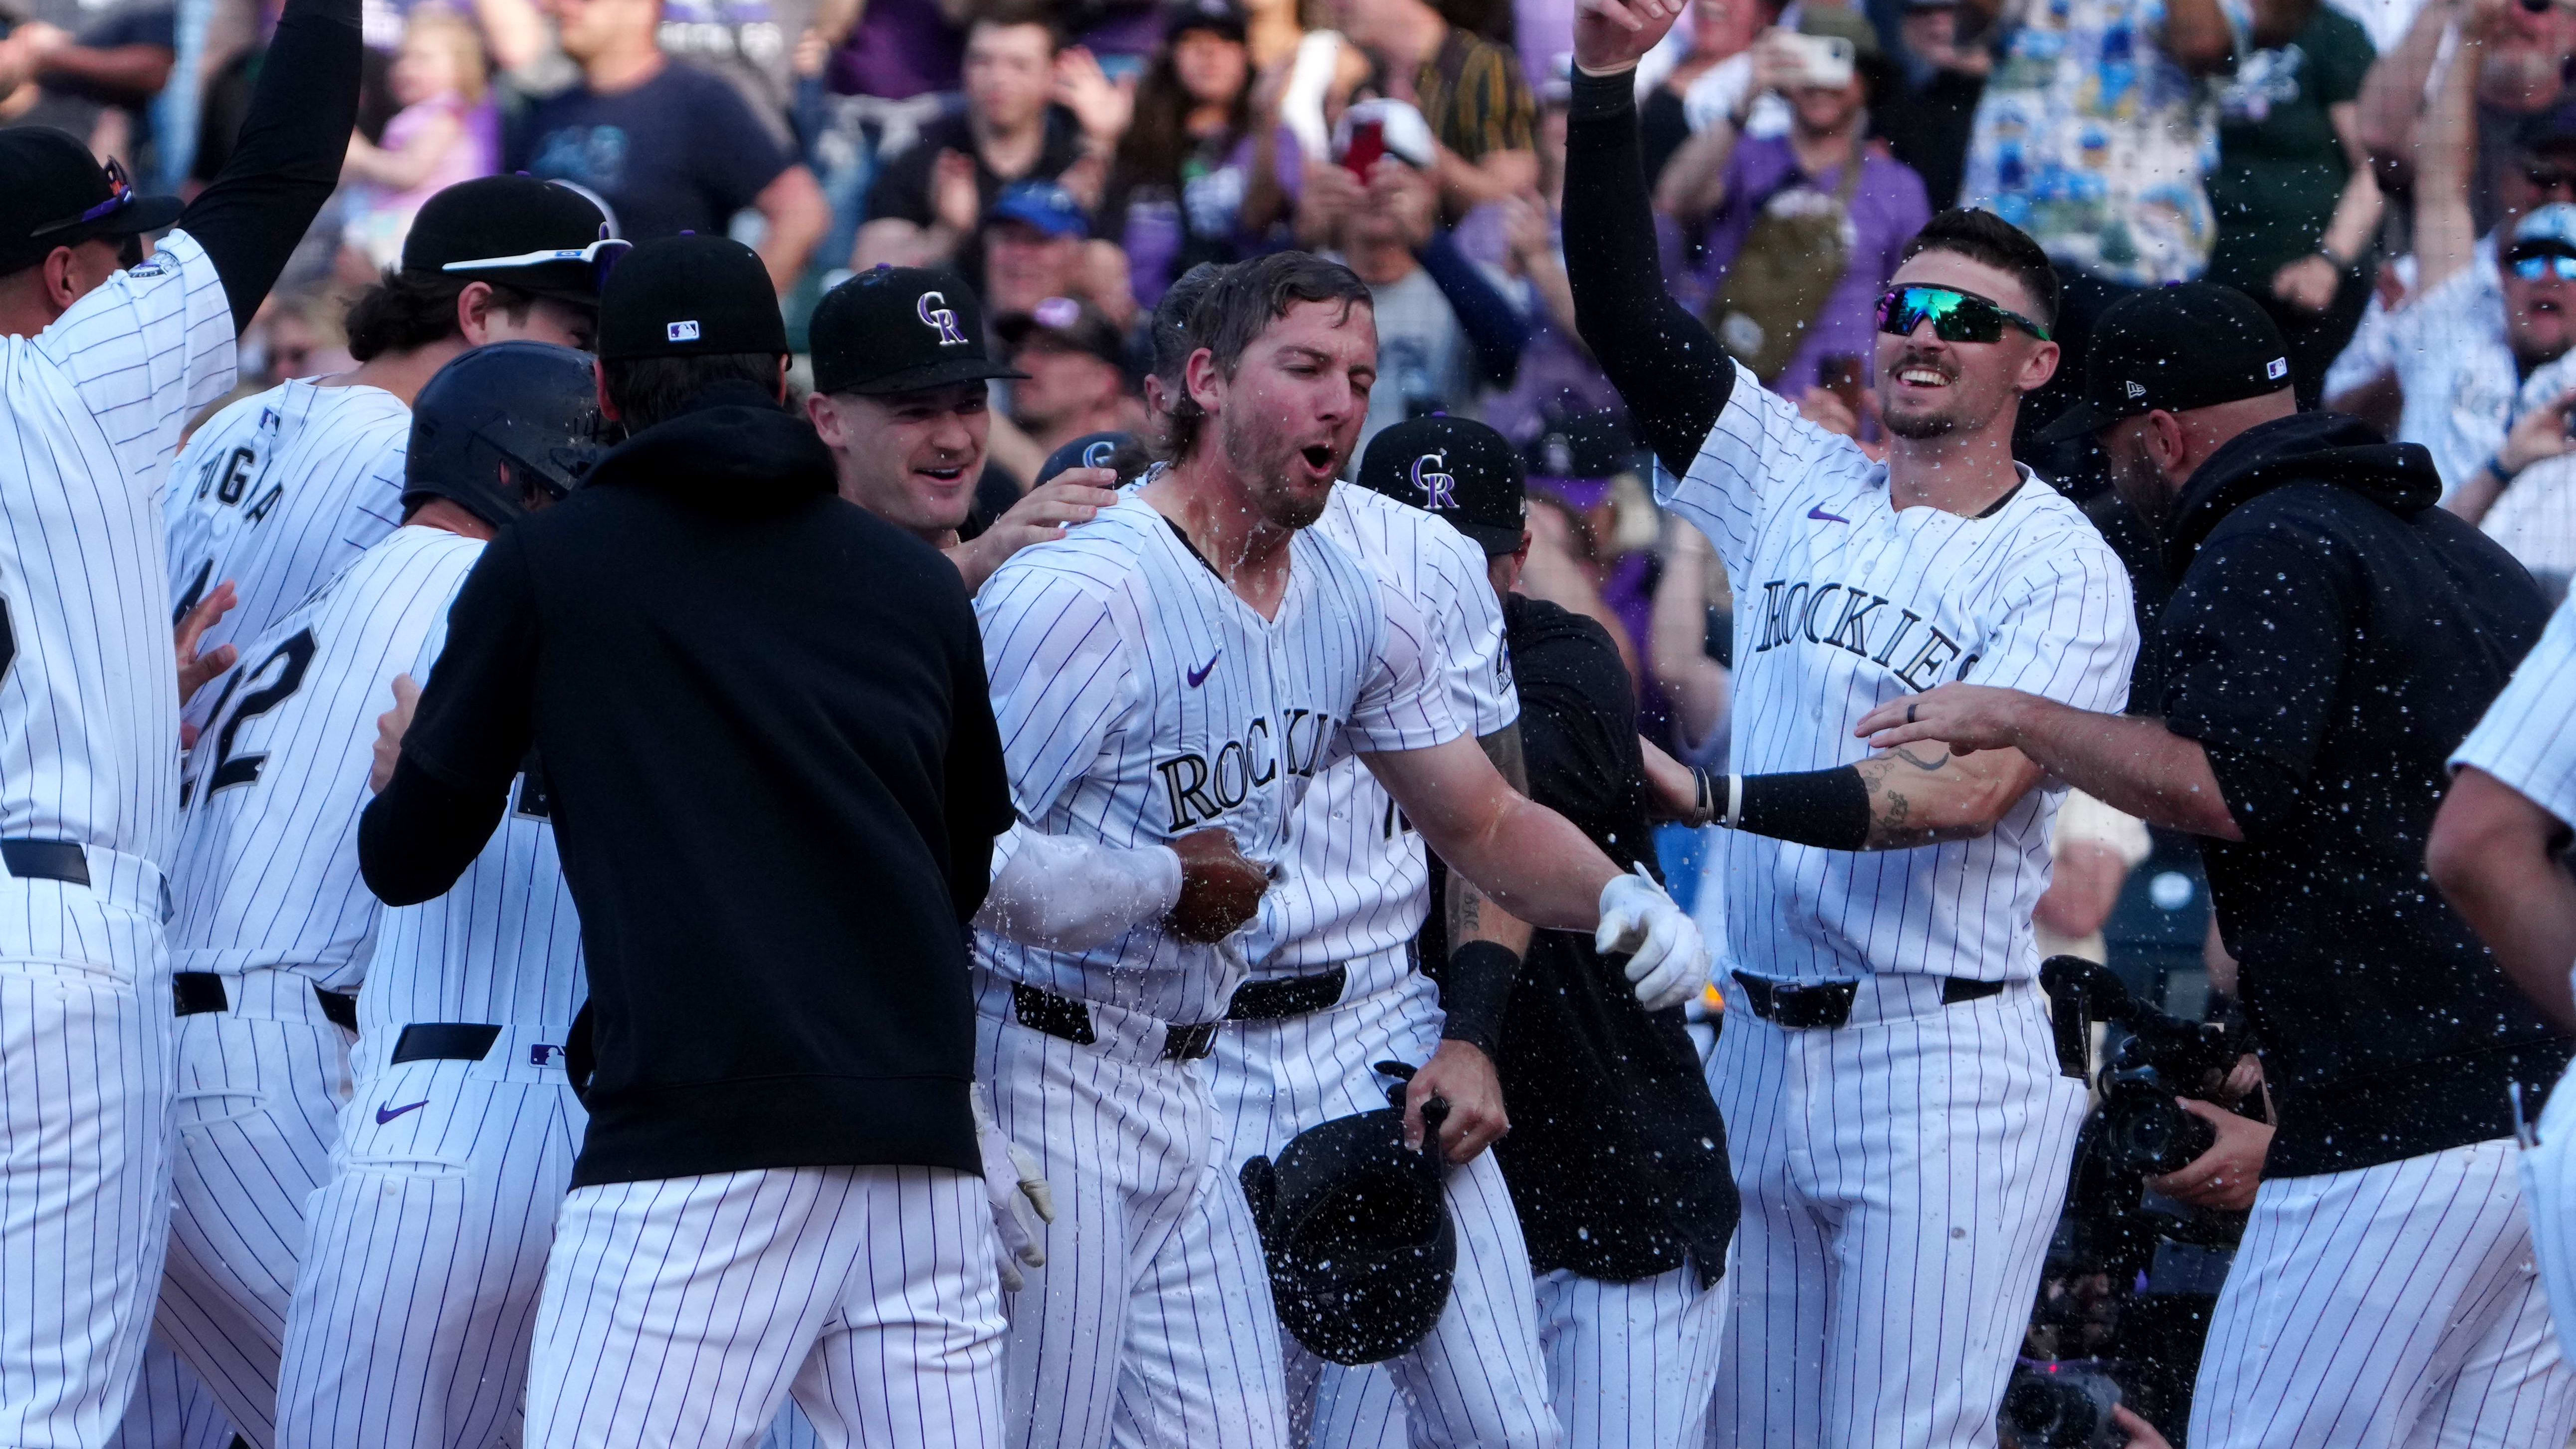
(1333, 989)
(1194, 656)
(1898, 1120)
(424, 1247)
(2497, 853)
(273, 929)
(280, 490)
(108, 353)
(2384, 1291)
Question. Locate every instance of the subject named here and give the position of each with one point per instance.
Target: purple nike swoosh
(1819, 512)
(1199, 675)
(387, 1114)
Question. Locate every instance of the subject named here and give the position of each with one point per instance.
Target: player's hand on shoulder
(197, 670)
(2224, 1177)
(1667, 960)
(1074, 496)
(391, 726)
(1463, 1078)
(1221, 888)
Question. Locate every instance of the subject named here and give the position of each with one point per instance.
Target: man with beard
(2334, 637)
(1899, 1122)
(1192, 657)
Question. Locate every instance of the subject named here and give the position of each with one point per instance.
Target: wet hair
(1982, 236)
(1241, 303)
(408, 310)
(650, 390)
(1172, 337)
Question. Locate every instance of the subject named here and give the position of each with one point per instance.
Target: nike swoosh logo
(1199, 675)
(387, 1114)
(1819, 512)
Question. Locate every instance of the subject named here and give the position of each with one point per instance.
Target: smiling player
(1896, 1113)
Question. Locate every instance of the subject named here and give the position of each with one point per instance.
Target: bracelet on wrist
(2495, 465)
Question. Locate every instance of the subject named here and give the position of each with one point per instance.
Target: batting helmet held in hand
(1358, 1236)
(499, 417)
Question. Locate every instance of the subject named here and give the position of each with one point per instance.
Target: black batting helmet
(1358, 1236)
(499, 417)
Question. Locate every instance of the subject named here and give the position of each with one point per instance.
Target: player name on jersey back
(1139, 699)
(1357, 879)
(1844, 602)
(267, 868)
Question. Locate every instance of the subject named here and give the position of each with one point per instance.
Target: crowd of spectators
(2393, 180)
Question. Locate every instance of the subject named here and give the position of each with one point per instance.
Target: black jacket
(774, 778)
(2333, 638)
(1616, 1158)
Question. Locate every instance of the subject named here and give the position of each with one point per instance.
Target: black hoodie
(2333, 638)
(774, 779)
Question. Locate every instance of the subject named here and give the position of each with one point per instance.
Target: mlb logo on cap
(682, 332)
(2277, 368)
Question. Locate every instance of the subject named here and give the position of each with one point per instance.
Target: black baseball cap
(1459, 469)
(1067, 326)
(2173, 349)
(515, 231)
(1222, 16)
(689, 296)
(900, 329)
(1091, 450)
(61, 196)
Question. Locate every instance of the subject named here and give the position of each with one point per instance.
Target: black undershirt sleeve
(417, 837)
(287, 161)
(1828, 809)
(1672, 373)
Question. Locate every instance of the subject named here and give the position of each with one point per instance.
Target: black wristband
(1475, 992)
(1828, 809)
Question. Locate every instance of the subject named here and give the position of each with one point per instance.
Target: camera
(2062, 1404)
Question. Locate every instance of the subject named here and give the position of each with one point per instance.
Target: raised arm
(287, 162)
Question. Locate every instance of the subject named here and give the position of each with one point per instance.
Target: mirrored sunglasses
(1955, 316)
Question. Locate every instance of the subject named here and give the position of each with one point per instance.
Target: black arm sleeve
(467, 738)
(1828, 809)
(1476, 994)
(288, 158)
(1672, 373)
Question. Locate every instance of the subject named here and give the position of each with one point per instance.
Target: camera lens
(2059, 1413)
(2151, 1135)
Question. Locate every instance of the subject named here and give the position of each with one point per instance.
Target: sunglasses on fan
(1955, 316)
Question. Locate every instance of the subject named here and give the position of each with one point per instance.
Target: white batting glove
(1667, 961)
(1017, 1190)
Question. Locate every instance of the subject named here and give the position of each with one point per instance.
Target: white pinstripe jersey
(1843, 603)
(2527, 738)
(89, 696)
(2449, 352)
(267, 869)
(277, 493)
(1358, 881)
(1139, 700)
(503, 946)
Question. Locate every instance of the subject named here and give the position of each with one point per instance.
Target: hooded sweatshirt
(2333, 637)
(774, 779)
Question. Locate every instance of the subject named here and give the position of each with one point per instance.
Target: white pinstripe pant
(1478, 1379)
(681, 1313)
(1150, 1324)
(259, 1093)
(171, 1408)
(84, 1193)
(2394, 1305)
(1900, 1176)
(2549, 1203)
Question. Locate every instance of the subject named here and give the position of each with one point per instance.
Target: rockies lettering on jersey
(1849, 602)
(1139, 699)
(267, 868)
(277, 493)
(1357, 880)
(89, 714)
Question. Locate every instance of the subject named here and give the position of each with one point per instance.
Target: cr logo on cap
(681, 332)
(940, 319)
(1439, 489)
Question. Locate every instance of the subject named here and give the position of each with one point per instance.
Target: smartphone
(1367, 148)
(1839, 373)
(1823, 60)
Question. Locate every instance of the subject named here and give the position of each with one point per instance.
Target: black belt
(1285, 996)
(445, 1041)
(45, 860)
(194, 993)
(1062, 1016)
(1828, 1004)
